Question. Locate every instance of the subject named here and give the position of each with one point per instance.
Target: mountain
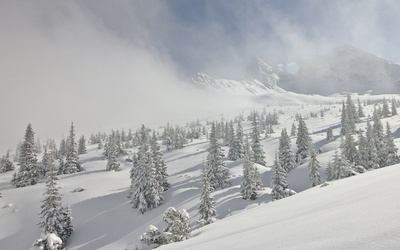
(260, 79)
(345, 68)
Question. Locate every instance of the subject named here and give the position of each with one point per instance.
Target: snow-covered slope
(104, 219)
(360, 212)
(345, 68)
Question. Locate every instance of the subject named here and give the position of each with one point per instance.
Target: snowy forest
(191, 175)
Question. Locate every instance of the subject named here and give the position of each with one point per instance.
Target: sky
(112, 64)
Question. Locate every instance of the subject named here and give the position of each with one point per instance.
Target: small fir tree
(72, 164)
(82, 146)
(207, 209)
(6, 164)
(360, 109)
(329, 134)
(394, 107)
(179, 227)
(314, 166)
(385, 109)
(279, 185)
(303, 141)
(390, 148)
(159, 164)
(28, 173)
(293, 130)
(285, 154)
(258, 151)
(112, 163)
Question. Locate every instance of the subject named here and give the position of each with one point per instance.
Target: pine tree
(350, 151)
(385, 109)
(390, 148)
(217, 171)
(343, 119)
(293, 130)
(285, 154)
(178, 228)
(340, 168)
(329, 134)
(112, 153)
(279, 184)
(372, 153)
(145, 191)
(72, 163)
(303, 141)
(351, 113)
(55, 218)
(207, 209)
(251, 181)
(82, 146)
(360, 109)
(258, 151)
(63, 148)
(159, 164)
(314, 167)
(153, 237)
(378, 133)
(28, 173)
(6, 164)
(394, 107)
(362, 150)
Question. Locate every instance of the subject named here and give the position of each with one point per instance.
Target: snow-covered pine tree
(6, 164)
(279, 185)
(72, 163)
(372, 153)
(207, 209)
(385, 108)
(179, 227)
(285, 154)
(303, 141)
(314, 166)
(258, 151)
(159, 164)
(394, 107)
(360, 110)
(340, 168)
(112, 153)
(362, 150)
(351, 113)
(153, 237)
(293, 130)
(145, 191)
(329, 134)
(55, 218)
(63, 148)
(82, 145)
(48, 241)
(349, 149)
(390, 148)
(28, 173)
(379, 139)
(248, 186)
(343, 119)
(217, 171)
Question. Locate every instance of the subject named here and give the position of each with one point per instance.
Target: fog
(113, 64)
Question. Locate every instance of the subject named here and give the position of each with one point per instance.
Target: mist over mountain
(345, 68)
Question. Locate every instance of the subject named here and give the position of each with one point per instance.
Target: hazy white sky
(107, 64)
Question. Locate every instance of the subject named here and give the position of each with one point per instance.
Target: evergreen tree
(285, 154)
(72, 163)
(217, 171)
(279, 185)
(390, 148)
(360, 109)
(303, 141)
(28, 173)
(153, 237)
(343, 119)
(6, 164)
(159, 164)
(63, 148)
(314, 167)
(362, 150)
(350, 151)
(55, 218)
(145, 191)
(379, 138)
(82, 146)
(351, 111)
(329, 134)
(49, 241)
(394, 107)
(179, 227)
(385, 109)
(293, 130)
(251, 180)
(372, 153)
(112, 163)
(207, 209)
(258, 151)
(340, 168)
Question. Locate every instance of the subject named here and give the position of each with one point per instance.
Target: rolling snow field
(359, 212)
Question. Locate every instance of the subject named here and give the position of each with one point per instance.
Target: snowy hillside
(345, 68)
(345, 214)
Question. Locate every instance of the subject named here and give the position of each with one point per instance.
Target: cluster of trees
(6, 163)
(178, 229)
(148, 174)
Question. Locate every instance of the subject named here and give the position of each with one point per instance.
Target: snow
(358, 212)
